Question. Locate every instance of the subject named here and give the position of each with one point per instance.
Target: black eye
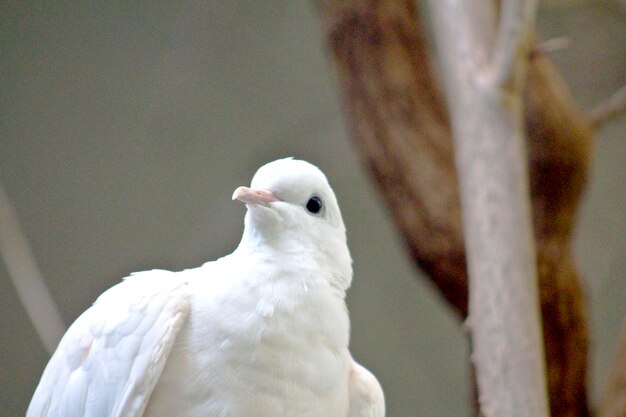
(314, 205)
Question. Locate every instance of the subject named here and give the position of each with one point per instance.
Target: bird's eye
(314, 205)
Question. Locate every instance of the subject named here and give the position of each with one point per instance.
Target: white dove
(262, 332)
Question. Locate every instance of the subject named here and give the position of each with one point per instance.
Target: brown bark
(559, 141)
(398, 122)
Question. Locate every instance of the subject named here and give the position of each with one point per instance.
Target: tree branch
(608, 109)
(487, 122)
(398, 124)
(551, 45)
(517, 20)
(27, 279)
(559, 149)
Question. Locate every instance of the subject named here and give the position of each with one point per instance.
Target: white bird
(262, 332)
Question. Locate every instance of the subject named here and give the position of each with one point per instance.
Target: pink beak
(250, 196)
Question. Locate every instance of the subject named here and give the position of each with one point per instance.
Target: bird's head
(293, 210)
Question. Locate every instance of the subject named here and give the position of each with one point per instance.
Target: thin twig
(609, 108)
(552, 45)
(27, 278)
(513, 40)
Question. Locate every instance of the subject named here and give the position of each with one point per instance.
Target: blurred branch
(399, 125)
(513, 41)
(552, 45)
(27, 279)
(608, 109)
(559, 149)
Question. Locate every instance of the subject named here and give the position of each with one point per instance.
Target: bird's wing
(110, 359)
(366, 394)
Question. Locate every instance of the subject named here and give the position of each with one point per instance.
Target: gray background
(125, 127)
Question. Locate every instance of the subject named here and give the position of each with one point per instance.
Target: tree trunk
(484, 66)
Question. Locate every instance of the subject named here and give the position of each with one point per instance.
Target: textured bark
(398, 123)
(484, 57)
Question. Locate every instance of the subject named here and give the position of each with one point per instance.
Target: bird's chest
(263, 350)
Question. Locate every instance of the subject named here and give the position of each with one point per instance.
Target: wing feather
(366, 394)
(110, 359)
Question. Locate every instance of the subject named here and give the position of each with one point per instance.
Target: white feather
(113, 354)
(262, 332)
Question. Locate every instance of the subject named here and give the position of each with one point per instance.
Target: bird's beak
(250, 196)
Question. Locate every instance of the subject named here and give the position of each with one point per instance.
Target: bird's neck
(289, 254)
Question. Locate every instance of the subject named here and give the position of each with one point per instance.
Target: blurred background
(125, 127)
